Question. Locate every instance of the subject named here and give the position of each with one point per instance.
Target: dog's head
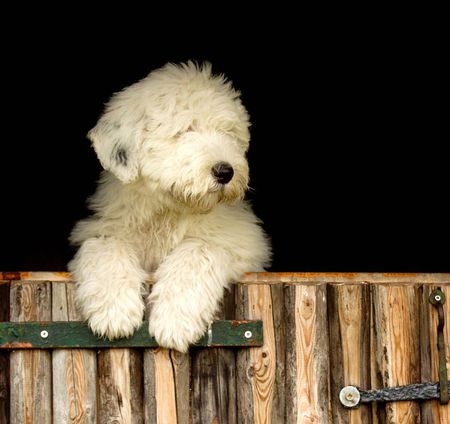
(182, 130)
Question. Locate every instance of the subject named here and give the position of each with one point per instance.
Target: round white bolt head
(349, 396)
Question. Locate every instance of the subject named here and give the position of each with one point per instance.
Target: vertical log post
(166, 386)
(120, 386)
(349, 322)
(74, 370)
(279, 323)
(433, 411)
(4, 357)
(160, 387)
(31, 370)
(214, 377)
(257, 366)
(396, 343)
(307, 393)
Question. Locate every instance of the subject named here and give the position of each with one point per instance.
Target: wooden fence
(321, 332)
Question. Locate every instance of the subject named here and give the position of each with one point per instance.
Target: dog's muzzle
(223, 172)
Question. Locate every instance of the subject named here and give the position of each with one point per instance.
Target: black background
(349, 167)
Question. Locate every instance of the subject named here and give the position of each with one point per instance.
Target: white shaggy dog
(170, 201)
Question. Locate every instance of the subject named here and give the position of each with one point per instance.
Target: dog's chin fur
(204, 202)
(159, 209)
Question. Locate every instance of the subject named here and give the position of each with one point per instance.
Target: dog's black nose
(223, 172)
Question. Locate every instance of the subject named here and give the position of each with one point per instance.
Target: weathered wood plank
(76, 334)
(165, 387)
(181, 368)
(279, 323)
(257, 366)
(427, 411)
(307, 350)
(280, 277)
(74, 370)
(150, 412)
(396, 342)
(120, 387)
(4, 357)
(244, 370)
(433, 411)
(31, 371)
(349, 324)
(214, 377)
(214, 386)
(442, 411)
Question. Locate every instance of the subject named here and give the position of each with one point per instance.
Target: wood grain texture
(214, 387)
(433, 411)
(441, 412)
(120, 387)
(31, 371)
(396, 344)
(279, 323)
(4, 357)
(291, 357)
(257, 366)
(279, 277)
(165, 394)
(307, 326)
(214, 377)
(307, 392)
(74, 370)
(349, 326)
(181, 364)
(149, 387)
(167, 387)
(244, 372)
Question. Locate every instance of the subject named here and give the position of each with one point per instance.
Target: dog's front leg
(109, 286)
(189, 287)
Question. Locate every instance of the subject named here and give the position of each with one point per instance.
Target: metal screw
(248, 334)
(44, 334)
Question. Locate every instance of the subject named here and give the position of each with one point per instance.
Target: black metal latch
(352, 397)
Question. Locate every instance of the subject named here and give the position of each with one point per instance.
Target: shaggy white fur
(170, 201)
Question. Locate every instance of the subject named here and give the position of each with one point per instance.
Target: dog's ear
(117, 146)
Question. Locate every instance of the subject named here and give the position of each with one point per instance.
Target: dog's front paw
(116, 318)
(174, 330)
(117, 327)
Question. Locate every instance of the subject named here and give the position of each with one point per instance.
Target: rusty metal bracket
(352, 397)
(437, 299)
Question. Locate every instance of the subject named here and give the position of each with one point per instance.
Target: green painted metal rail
(74, 334)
